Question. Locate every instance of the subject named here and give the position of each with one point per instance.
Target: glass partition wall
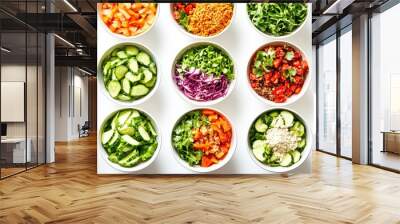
(334, 94)
(22, 77)
(385, 89)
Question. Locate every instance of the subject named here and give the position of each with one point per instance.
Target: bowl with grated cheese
(279, 140)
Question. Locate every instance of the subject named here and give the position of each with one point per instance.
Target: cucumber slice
(121, 54)
(131, 141)
(106, 68)
(135, 113)
(151, 129)
(131, 77)
(259, 153)
(114, 61)
(123, 116)
(126, 85)
(133, 65)
(278, 122)
(301, 144)
(139, 90)
(131, 163)
(259, 143)
(296, 156)
(297, 129)
(114, 139)
(126, 130)
(124, 97)
(114, 52)
(120, 71)
(114, 87)
(147, 75)
(131, 50)
(153, 68)
(121, 62)
(286, 161)
(106, 137)
(151, 83)
(127, 160)
(143, 58)
(143, 133)
(288, 118)
(260, 125)
(113, 77)
(114, 122)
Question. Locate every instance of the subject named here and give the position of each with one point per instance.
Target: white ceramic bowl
(123, 36)
(101, 80)
(270, 35)
(304, 154)
(139, 166)
(202, 103)
(199, 169)
(182, 29)
(292, 98)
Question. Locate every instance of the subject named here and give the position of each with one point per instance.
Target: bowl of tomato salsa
(278, 73)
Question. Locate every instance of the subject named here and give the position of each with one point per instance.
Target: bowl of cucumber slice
(130, 139)
(279, 140)
(129, 74)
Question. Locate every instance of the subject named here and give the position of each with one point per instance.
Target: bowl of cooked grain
(202, 20)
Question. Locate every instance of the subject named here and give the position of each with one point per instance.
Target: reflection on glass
(13, 84)
(31, 97)
(327, 97)
(346, 94)
(385, 86)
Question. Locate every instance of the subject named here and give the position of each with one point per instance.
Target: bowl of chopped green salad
(203, 73)
(279, 140)
(277, 19)
(130, 139)
(128, 73)
(203, 140)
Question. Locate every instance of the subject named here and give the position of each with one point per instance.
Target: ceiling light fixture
(70, 5)
(64, 40)
(84, 71)
(5, 50)
(337, 7)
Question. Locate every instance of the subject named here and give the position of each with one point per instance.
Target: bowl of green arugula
(277, 19)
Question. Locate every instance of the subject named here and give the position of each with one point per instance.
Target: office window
(327, 96)
(346, 93)
(385, 89)
(22, 91)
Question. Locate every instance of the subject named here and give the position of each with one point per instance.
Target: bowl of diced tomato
(278, 73)
(203, 140)
(128, 19)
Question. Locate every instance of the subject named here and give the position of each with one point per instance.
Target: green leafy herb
(277, 19)
(209, 60)
(289, 55)
(263, 61)
(183, 19)
(182, 139)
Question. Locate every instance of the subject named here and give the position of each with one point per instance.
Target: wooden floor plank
(70, 191)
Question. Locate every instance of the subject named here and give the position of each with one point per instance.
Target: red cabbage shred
(199, 86)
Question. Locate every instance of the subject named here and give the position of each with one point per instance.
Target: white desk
(18, 144)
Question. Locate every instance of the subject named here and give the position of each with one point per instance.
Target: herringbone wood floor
(69, 191)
